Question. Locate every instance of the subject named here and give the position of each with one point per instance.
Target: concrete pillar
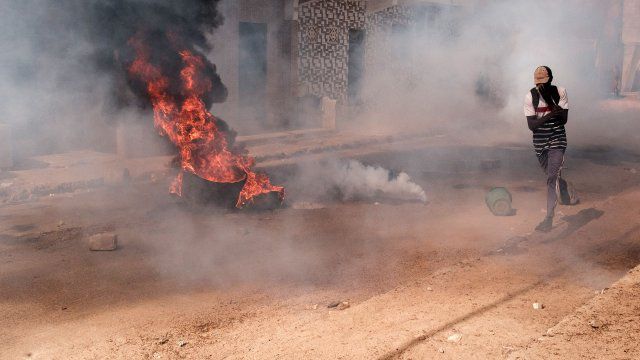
(328, 113)
(6, 155)
(631, 41)
(630, 66)
(225, 55)
(122, 149)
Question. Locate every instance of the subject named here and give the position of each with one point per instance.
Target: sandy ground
(205, 283)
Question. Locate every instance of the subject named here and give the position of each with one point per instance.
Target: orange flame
(204, 150)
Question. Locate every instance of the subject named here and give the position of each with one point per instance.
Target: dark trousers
(551, 161)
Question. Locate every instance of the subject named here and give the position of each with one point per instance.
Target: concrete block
(6, 156)
(103, 242)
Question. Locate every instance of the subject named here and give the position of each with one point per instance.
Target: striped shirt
(550, 135)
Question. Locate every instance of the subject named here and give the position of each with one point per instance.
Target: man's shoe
(545, 225)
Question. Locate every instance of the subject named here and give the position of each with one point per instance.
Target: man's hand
(557, 111)
(557, 114)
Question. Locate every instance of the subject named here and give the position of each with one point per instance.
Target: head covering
(542, 75)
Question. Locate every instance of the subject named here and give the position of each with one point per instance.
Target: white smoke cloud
(430, 72)
(353, 180)
(357, 181)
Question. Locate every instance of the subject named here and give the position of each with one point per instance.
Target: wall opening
(252, 84)
(355, 64)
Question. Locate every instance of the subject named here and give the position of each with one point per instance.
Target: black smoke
(105, 28)
(166, 26)
(63, 66)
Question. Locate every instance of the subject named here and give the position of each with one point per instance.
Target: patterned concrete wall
(324, 45)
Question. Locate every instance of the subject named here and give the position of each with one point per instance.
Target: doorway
(355, 66)
(252, 82)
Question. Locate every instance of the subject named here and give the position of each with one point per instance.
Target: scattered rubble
(305, 205)
(333, 304)
(339, 305)
(454, 338)
(538, 306)
(103, 242)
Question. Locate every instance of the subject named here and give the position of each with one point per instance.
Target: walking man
(546, 108)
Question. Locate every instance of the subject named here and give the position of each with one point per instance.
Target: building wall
(379, 40)
(308, 48)
(226, 55)
(323, 45)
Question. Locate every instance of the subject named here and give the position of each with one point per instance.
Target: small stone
(163, 341)
(454, 338)
(429, 288)
(550, 332)
(595, 323)
(343, 305)
(60, 223)
(333, 304)
(633, 171)
(315, 307)
(103, 242)
(182, 343)
(538, 306)
(441, 350)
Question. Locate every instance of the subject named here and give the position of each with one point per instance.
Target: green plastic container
(498, 200)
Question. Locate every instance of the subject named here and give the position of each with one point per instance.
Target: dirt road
(204, 283)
